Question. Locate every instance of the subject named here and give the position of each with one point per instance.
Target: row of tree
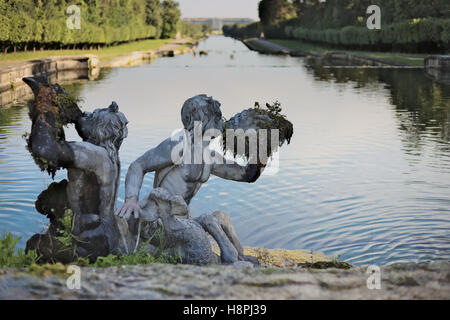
(43, 23)
(195, 30)
(424, 35)
(409, 25)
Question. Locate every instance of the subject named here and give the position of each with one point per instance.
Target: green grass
(8, 256)
(144, 45)
(12, 258)
(409, 59)
(138, 258)
(299, 45)
(186, 45)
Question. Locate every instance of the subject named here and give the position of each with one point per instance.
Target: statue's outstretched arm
(155, 159)
(233, 171)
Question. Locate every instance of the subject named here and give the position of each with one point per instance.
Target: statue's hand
(253, 171)
(130, 208)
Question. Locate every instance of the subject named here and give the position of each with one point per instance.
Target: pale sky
(219, 8)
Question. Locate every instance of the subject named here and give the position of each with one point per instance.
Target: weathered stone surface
(281, 258)
(56, 69)
(159, 281)
(438, 68)
(438, 61)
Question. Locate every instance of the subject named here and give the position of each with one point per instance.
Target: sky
(219, 8)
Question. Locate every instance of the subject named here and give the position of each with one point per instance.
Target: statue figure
(87, 199)
(175, 184)
(81, 209)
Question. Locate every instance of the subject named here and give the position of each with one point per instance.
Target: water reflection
(422, 106)
(367, 174)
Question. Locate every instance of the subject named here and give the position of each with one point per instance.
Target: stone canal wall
(438, 62)
(72, 68)
(438, 67)
(267, 47)
(63, 69)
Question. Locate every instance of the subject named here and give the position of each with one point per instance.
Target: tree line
(407, 25)
(41, 24)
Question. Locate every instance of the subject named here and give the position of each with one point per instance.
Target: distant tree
(154, 15)
(171, 19)
(274, 11)
(4, 21)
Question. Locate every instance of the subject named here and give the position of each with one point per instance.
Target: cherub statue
(176, 183)
(87, 199)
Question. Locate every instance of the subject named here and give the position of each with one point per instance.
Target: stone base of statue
(166, 227)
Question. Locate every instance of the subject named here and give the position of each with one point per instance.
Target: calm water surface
(366, 176)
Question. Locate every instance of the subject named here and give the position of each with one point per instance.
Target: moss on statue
(68, 109)
(257, 118)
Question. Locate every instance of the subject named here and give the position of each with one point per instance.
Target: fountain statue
(81, 209)
(181, 171)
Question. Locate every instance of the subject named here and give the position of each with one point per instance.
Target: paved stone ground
(160, 281)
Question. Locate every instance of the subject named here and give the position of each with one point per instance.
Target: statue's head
(105, 127)
(204, 109)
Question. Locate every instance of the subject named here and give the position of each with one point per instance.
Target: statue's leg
(225, 222)
(219, 225)
(212, 223)
(227, 226)
(184, 238)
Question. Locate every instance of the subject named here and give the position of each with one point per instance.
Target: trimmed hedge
(336, 14)
(407, 25)
(42, 24)
(411, 35)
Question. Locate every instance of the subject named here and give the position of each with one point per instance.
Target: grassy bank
(11, 257)
(144, 45)
(303, 46)
(410, 59)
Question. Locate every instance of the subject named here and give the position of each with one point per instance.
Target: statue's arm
(46, 144)
(153, 160)
(48, 148)
(233, 171)
(90, 157)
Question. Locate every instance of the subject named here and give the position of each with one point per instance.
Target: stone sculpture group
(83, 219)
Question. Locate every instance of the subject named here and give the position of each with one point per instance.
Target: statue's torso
(184, 180)
(88, 194)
